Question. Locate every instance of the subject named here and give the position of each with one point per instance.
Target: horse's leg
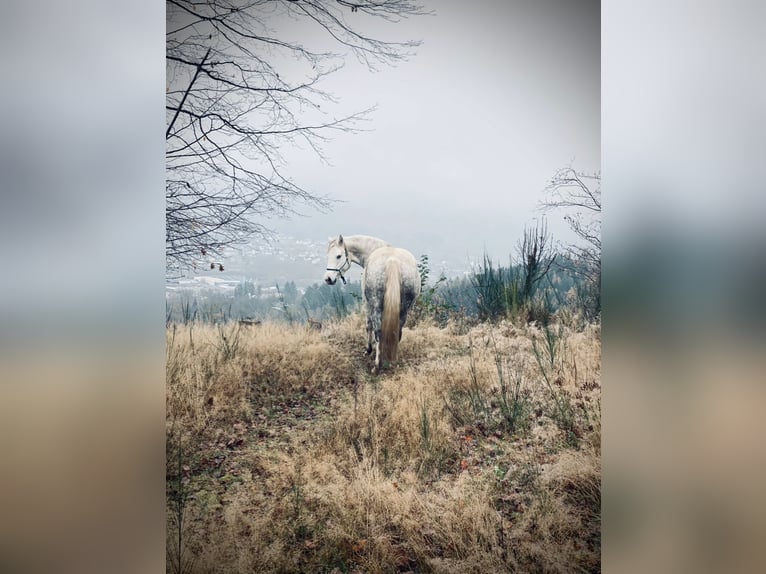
(375, 318)
(406, 306)
(402, 320)
(376, 366)
(370, 311)
(378, 333)
(378, 339)
(369, 335)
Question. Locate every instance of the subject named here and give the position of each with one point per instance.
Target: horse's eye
(338, 257)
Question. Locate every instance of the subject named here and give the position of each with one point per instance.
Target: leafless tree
(579, 195)
(536, 252)
(243, 85)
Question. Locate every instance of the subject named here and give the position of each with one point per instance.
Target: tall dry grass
(285, 455)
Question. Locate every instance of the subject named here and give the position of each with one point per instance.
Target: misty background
(463, 139)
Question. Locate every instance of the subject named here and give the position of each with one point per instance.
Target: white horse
(390, 285)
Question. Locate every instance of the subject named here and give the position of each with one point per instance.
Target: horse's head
(337, 261)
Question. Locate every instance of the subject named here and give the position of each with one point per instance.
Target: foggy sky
(466, 133)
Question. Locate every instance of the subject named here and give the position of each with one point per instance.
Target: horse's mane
(356, 237)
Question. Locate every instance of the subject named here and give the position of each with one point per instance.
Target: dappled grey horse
(390, 285)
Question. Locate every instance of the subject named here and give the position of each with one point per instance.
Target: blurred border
(682, 138)
(81, 307)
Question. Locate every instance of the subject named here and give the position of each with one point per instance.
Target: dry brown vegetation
(479, 451)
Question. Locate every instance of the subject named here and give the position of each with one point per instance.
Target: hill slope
(479, 451)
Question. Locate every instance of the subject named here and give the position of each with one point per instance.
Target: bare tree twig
(579, 194)
(234, 105)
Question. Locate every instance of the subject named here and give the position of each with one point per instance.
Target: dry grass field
(478, 451)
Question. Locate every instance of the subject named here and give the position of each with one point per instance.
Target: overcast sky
(466, 133)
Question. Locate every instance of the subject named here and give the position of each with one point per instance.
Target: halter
(339, 270)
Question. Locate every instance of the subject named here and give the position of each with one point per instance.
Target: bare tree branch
(240, 91)
(579, 194)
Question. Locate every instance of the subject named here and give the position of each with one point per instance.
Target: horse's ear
(340, 240)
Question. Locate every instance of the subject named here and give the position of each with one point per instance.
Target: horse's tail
(391, 306)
